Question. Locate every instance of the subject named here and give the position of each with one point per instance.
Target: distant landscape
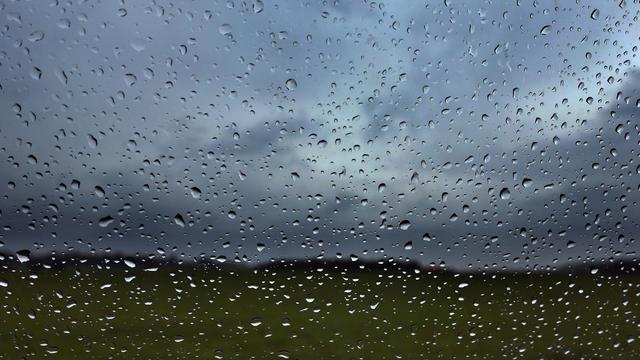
(612, 266)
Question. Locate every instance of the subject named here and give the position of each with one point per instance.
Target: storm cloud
(506, 135)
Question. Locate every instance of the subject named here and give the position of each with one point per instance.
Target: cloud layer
(466, 133)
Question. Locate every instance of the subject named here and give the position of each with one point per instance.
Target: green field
(314, 314)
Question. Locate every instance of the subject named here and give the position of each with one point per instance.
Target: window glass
(258, 179)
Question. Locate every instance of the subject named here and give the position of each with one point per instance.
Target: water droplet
(36, 73)
(545, 30)
(179, 220)
(92, 141)
(130, 79)
(23, 256)
(257, 6)
(405, 224)
(36, 36)
(98, 191)
(291, 84)
(129, 263)
(505, 194)
(195, 192)
(105, 221)
(224, 29)
(415, 178)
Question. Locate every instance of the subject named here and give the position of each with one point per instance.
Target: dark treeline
(620, 266)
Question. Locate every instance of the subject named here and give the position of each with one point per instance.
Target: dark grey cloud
(421, 112)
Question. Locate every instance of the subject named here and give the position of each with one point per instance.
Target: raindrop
(98, 191)
(291, 84)
(92, 141)
(130, 79)
(36, 36)
(130, 263)
(195, 192)
(105, 221)
(545, 30)
(257, 6)
(179, 220)
(224, 29)
(505, 194)
(405, 224)
(415, 178)
(36, 73)
(23, 256)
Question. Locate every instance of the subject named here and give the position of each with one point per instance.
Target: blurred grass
(310, 314)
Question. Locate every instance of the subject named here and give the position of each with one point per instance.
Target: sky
(471, 134)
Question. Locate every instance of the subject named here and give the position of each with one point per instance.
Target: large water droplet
(291, 84)
(505, 194)
(23, 256)
(105, 221)
(405, 225)
(545, 30)
(179, 220)
(225, 29)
